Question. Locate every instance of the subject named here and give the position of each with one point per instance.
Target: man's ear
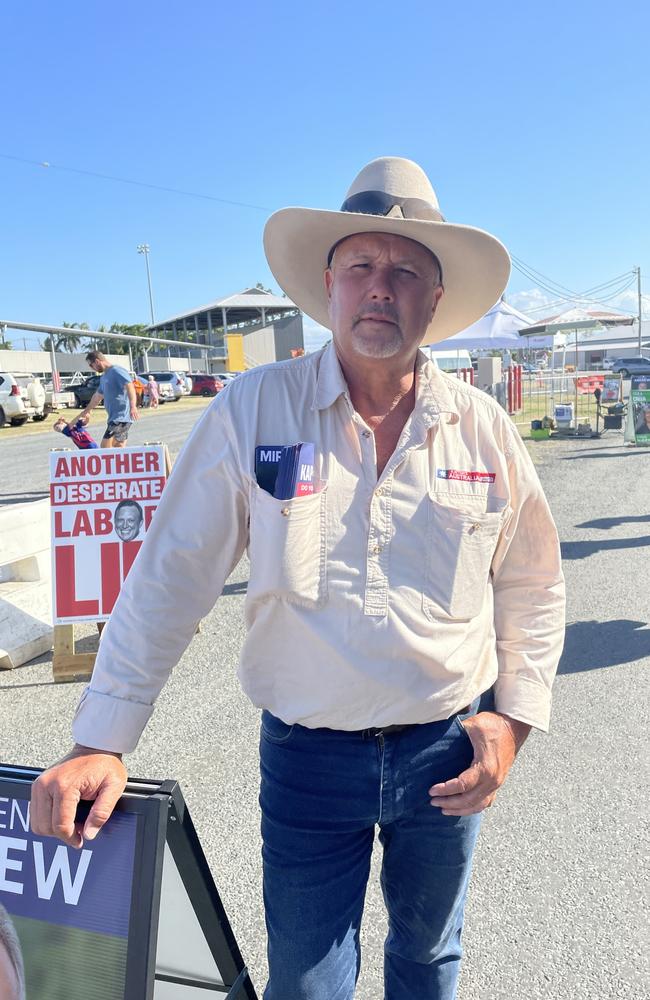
(438, 292)
(328, 278)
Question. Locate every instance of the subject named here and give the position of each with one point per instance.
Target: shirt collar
(330, 381)
(433, 397)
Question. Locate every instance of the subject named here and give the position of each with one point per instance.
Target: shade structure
(497, 330)
(576, 319)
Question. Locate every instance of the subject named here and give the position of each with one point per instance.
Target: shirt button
(366, 434)
(285, 512)
(380, 491)
(376, 549)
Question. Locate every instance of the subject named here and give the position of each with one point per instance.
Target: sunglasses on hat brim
(381, 203)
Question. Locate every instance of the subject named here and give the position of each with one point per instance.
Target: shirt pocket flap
(287, 547)
(461, 542)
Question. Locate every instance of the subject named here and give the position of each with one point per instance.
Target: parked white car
(21, 397)
(169, 383)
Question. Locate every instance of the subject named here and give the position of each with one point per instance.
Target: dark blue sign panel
(67, 904)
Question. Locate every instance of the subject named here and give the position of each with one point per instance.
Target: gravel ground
(558, 904)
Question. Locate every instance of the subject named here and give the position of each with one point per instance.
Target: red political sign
(102, 502)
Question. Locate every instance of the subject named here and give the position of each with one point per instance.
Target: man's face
(383, 291)
(98, 366)
(127, 523)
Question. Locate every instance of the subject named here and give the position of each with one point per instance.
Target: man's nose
(381, 286)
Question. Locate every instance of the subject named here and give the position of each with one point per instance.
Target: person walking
(405, 619)
(152, 392)
(117, 392)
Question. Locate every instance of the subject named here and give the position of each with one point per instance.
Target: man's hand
(496, 738)
(84, 773)
(134, 413)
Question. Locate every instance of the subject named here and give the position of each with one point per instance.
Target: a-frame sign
(134, 915)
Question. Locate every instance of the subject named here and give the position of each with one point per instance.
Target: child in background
(76, 431)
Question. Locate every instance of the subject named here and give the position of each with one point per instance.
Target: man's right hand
(84, 773)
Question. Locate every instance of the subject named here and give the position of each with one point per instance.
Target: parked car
(206, 385)
(636, 365)
(186, 382)
(165, 391)
(172, 381)
(84, 391)
(21, 397)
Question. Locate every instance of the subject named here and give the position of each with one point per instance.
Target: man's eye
(366, 265)
(405, 270)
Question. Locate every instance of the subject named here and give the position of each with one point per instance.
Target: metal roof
(242, 307)
(577, 319)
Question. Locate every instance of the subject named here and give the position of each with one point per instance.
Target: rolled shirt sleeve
(529, 597)
(196, 537)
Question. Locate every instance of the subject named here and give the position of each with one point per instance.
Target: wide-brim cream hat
(390, 195)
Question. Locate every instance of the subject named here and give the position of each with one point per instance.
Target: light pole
(144, 248)
(638, 279)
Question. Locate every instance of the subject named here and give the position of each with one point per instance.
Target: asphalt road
(24, 469)
(558, 904)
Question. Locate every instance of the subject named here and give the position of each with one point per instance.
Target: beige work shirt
(371, 602)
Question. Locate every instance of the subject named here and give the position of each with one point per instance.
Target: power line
(562, 291)
(134, 183)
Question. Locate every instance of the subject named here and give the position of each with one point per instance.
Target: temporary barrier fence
(535, 395)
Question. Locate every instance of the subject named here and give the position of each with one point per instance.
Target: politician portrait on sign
(129, 518)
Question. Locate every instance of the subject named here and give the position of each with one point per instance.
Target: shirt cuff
(523, 699)
(104, 722)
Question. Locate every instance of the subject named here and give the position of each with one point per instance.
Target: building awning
(242, 308)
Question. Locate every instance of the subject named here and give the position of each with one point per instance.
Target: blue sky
(530, 118)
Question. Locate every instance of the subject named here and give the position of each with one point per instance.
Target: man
(12, 973)
(117, 391)
(642, 420)
(418, 580)
(128, 520)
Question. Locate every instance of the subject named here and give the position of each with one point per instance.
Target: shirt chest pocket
(459, 550)
(287, 548)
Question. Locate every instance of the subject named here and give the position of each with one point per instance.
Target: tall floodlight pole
(638, 279)
(144, 248)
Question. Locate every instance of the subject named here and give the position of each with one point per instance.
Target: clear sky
(531, 119)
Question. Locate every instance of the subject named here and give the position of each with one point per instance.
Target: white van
(450, 361)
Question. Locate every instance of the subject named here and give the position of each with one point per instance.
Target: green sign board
(640, 406)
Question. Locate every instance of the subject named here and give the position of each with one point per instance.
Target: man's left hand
(134, 413)
(496, 738)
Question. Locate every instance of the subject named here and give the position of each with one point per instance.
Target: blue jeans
(322, 793)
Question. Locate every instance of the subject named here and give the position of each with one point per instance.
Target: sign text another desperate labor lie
(102, 503)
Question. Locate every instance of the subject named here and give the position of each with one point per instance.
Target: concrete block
(25, 622)
(25, 583)
(24, 530)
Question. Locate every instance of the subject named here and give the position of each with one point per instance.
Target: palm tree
(70, 342)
